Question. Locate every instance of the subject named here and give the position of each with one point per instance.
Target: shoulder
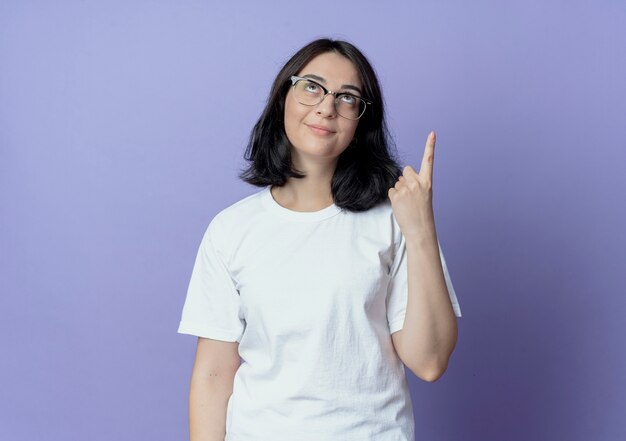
(380, 220)
(235, 216)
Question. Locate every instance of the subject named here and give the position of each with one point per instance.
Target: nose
(327, 107)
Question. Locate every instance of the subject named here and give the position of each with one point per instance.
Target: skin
(429, 335)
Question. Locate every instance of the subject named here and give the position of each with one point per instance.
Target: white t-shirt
(312, 298)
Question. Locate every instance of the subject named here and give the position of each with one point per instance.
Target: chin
(320, 150)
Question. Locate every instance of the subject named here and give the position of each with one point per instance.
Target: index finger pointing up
(426, 169)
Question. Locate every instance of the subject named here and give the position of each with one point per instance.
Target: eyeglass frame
(294, 79)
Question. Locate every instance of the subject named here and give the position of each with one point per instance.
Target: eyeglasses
(311, 93)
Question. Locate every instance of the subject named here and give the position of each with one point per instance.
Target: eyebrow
(343, 86)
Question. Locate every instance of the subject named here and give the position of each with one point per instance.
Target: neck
(311, 193)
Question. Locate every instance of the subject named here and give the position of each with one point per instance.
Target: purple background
(123, 125)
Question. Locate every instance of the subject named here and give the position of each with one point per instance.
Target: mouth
(320, 130)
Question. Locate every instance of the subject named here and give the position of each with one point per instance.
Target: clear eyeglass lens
(310, 94)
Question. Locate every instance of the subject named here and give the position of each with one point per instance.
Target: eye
(348, 99)
(311, 87)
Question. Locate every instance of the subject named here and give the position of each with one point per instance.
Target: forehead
(334, 68)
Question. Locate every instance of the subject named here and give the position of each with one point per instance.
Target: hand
(411, 197)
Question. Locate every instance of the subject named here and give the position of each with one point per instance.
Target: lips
(320, 130)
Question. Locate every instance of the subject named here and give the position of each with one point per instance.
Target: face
(318, 131)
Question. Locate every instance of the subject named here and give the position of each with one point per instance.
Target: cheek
(294, 115)
(350, 131)
(291, 120)
(294, 111)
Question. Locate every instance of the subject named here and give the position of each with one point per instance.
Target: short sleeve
(398, 288)
(212, 305)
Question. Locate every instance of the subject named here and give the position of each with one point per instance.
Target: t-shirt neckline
(306, 216)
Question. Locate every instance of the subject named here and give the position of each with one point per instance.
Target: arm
(211, 386)
(429, 335)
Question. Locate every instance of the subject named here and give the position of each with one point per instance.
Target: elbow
(430, 374)
(434, 368)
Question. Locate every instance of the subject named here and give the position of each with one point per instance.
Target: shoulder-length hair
(365, 170)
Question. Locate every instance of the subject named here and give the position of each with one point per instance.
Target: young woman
(310, 296)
